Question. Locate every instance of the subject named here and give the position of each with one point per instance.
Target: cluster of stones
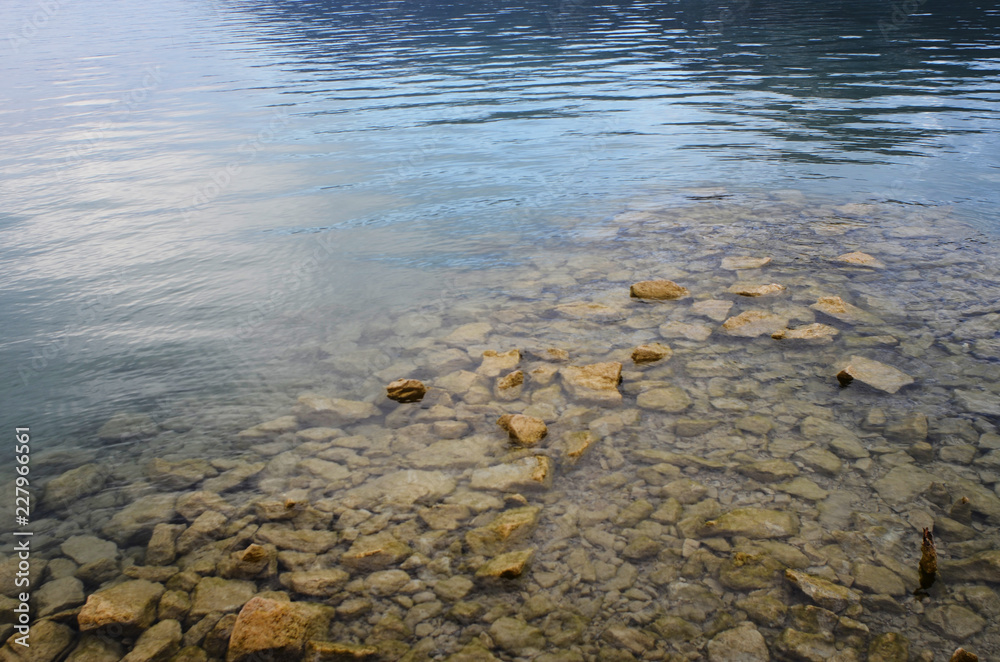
(615, 500)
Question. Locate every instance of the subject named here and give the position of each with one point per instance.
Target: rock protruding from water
(523, 430)
(406, 390)
(658, 289)
(651, 352)
(877, 375)
(276, 630)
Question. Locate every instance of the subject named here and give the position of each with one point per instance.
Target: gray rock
(516, 636)
(157, 644)
(978, 402)
(58, 595)
(85, 549)
(140, 516)
(92, 648)
(75, 484)
(124, 426)
(954, 621)
(48, 643)
(741, 644)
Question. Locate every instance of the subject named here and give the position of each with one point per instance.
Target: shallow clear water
(210, 209)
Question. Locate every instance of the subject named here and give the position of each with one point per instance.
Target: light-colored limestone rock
(753, 323)
(688, 331)
(66, 489)
(523, 430)
(403, 488)
(596, 382)
(130, 605)
(816, 333)
(753, 523)
(741, 644)
(157, 644)
(733, 263)
(875, 374)
(824, 593)
(223, 595)
(651, 352)
(756, 290)
(508, 529)
(534, 472)
(714, 309)
(839, 309)
(495, 362)
(316, 583)
(375, 552)
(671, 399)
(319, 411)
(860, 259)
(406, 390)
(276, 630)
(506, 566)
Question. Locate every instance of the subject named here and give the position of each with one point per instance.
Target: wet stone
(860, 259)
(651, 353)
(75, 484)
(375, 552)
(839, 309)
(57, 595)
(753, 523)
(658, 289)
(955, 622)
(533, 472)
(734, 263)
(671, 399)
(523, 430)
(873, 373)
(695, 332)
(157, 644)
(819, 334)
(406, 390)
(179, 475)
(597, 382)
(742, 644)
(505, 531)
(516, 636)
(274, 630)
(756, 290)
(753, 323)
(213, 594)
(824, 593)
(506, 566)
(130, 605)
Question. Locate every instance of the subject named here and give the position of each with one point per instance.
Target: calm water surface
(210, 208)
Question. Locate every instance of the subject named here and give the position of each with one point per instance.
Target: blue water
(195, 191)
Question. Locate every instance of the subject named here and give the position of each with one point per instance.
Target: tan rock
(554, 354)
(275, 630)
(507, 530)
(753, 523)
(596, 382)
(658, 289)
(130, 605)
(157, 644)
(819, 334)
(675, 329)
(468, 334)
(733, 263)
(534, 472)
(494, 362)
(178, 475)
(254, 561)
(523, 430)
(403, 488)
(506, 566)
(48, 642)
(713, 309)
(317, 583)
(860, 259)
(67, 488)
(753, 323)
(375, 552)
(337, 651)
(319, 411)
(824, 593)
(508, 384)
(875, 374)
(651, 352)
(671, 399)
(839, 309)
(575, 444)
(752, 290)
(223, 595)
(406, 390)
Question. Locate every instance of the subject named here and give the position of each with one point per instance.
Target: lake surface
(211, 209)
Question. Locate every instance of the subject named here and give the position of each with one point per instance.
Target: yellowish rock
(406, 390)
(494, 362)
(597, 381)
(523, 430)
(658, 289)
(505, 531)
(752, 290)
(534, 472)
(819, 334)
(845, 312)
(651, 352)
(860, 259)
(753, 323)
(322, 651)
(510, 381)
(375, 552)
(506, 566)
(575, 444)
(275, 630)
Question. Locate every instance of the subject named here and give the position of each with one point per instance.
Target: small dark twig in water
(928, 563)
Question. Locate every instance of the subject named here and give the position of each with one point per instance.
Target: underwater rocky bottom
(736, 463)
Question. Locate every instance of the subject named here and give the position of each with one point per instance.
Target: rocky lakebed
(711, 430)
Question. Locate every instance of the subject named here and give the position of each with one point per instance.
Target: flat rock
(124, 426)
(307, 541)
(454, 453)
(157, 644)
(515, 636)
(469, 334)
(689, 331)
(733, 263)
(742, 644)
(319, 411)
(981, 567)
(130, 605)
(860, 259)
(222, 595)
(769, 471)
(824, 593)
(406, 390)
(753, 323)
(534, 472)
(58, 595)
(658, 289)
(903, 484)
(508, 529)
(375, 552)
(276, 630)
(494, 362)
(671, 399)
(756, 290)
(651, 352)
(321, 583)
(403, 488)
(803, 488)
(753, 523)
(66, 489)
(955, 622)
(49, 641)
(140, 516)
(713, 309)
(178, 475)
(506, 566)
(271, 428)
(523, 430)
(818, 334)
(875, 374)
(978, 402)
(595, 382)
(845, 312)
(591, 311)
(85, 549)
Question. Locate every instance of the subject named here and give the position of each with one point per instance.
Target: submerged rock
(753, 523)
(753, 323)
(403, 488)
(495, 362)
(742, 644)
(375, 552)
(596, 382)
(506, 566)
(671, 399)
(533, 472)
(658, 289)
(819, 334)
(713, 309)
(319, 411)
(675, 329)
(130, 605)
(157, 644)
(651, 352)
(70, 487)
(506, 530)
(954, 621)
(406, 390)
(839, 309)
(824, 593)
(860, 259)
(733, 263)
(875, 374)
(753, 290)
